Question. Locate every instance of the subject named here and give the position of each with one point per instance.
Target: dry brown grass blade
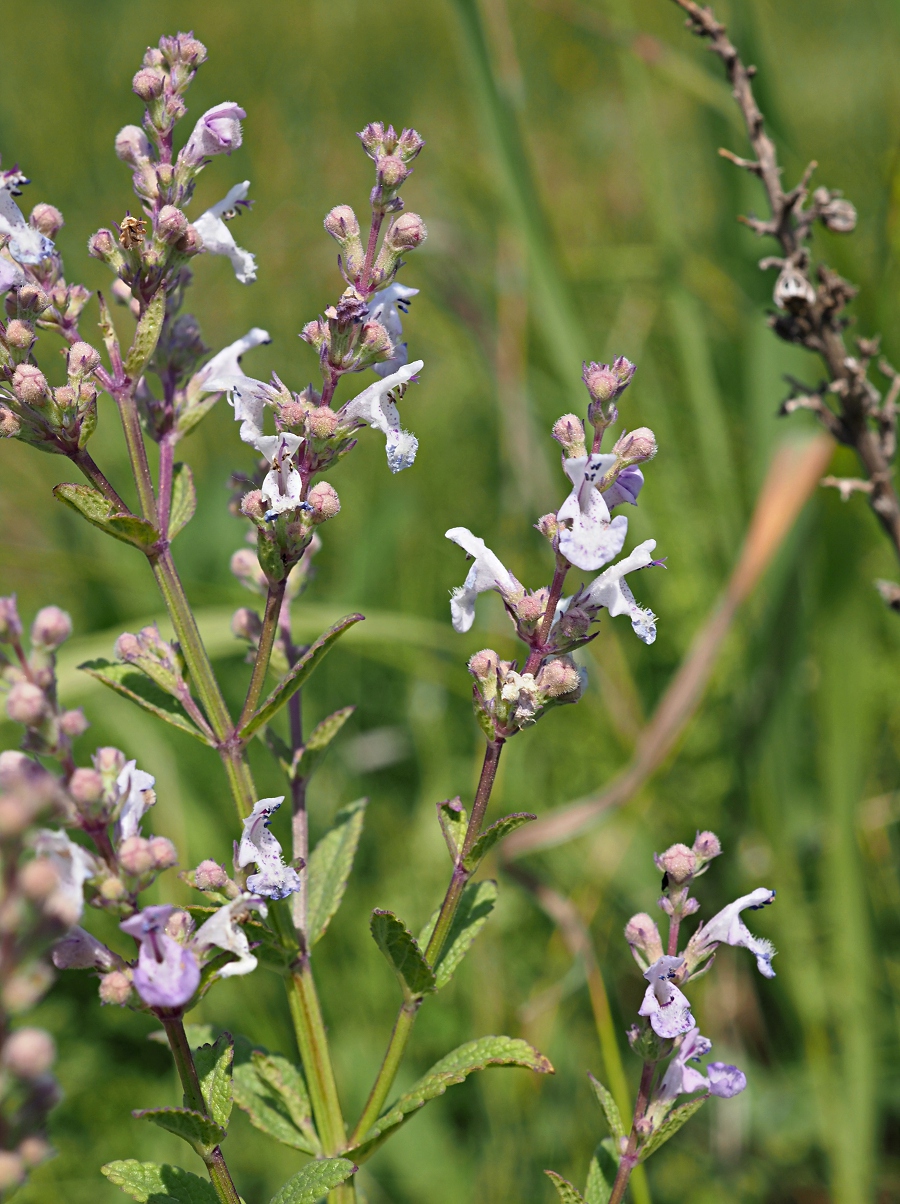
(794, 473)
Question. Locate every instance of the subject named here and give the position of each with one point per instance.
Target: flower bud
(114, 889)
(132, 145)
(15, 816)
(375, 343)
(29, 1053)
(30, 384)
(706, 846)
(246, 625)
(642, 935)
(135, 856)
(245, 567)
(47, 219)
(179, 926)
(558, 678)
(163, 852)
(38, 879)
(406, 233)
(102, 245)
(209, 875)
(548, 525)
(109, 762)
(409, 145)
(485, 667)
(391, 171)
(342, 224)
(253, 506)
(606, 381)
(324, 501)
(315, 333)
(171, 224)
(10, 423)
(74, 723)
(82, 359)
(51, 627)
(148, 84)
(115, 988)
(678, 862)
(26, 704)
(569, 432)
(531, 608)
(322, 422)
(635, 446)
(34, 1150)
(32, 299)
(12, 1170)
(20, 334)
(86, 787)
(10, 623)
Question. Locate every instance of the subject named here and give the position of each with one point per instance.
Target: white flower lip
(217, 239)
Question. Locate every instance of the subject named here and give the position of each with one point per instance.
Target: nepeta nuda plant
(74, 837)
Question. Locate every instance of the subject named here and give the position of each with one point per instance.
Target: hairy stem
(371, 248)
(629, 1159)
(539, 648)
(137, 451)
(274, 599)
(193, 1098)
(83, 460)
(387, 1072)
(312, 1042)
(166, 467)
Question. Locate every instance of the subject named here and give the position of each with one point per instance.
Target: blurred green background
(613, 232)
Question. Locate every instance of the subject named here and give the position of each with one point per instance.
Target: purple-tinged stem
(274, 598)
(372, 247)
(83, 460)
(536, 655)
(629, 1159)
(166, 471)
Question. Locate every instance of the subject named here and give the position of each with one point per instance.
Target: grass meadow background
(576, 209)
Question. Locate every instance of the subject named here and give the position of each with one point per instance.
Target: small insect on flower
(132, 231)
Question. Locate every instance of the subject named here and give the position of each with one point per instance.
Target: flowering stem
(374, 231)
(166, 466)
(629, 1159)
(407, 1015)
(674, 925)
(137, 452)
(274, 598)
(299, 815)
(316, 1058)
(193, 1098)
(83, 460)
(539, 647)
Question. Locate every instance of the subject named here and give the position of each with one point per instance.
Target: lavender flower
(588, 538)
(275, 880)
(728, 928)
(223, 931)
(26, 244)
(74, 866)
(136, 796)
(487, 573)
(167, 974)
(78, 950)
(625, 488)
(217, 132)
(217, 238)
(11, 275)
(668, 1009)
(375, 407)
(386, 307)
(680, 1079)
(724, 1080)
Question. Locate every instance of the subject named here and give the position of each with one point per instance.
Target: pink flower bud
(253, 505)
(102, 245)
(15, 816)
(375, 341)
(115, 988)
(132, 145)
(26, 704)
(548, 525)
(707, 846)
(135, 856)
(29, 1053)
(635, 446)
(484, 666)
(163, 853)
(679, 862)
(148, 84)
(531, 608)
(315, 333)
(30, 384)
(74, 723)
(569, 432)
(324, 501)
(10, 423)
(47, 219)
(409, 145)
(32, 299)
(109, 761)
(114, 890)
(218, 131)
(407, 232)
(246, 625)
(342, 224)
(83, 358)
(38, 879)
(245, 567)
(10, 623)
(391, 170)
(322, 422)
(209, 875)
(12, 1170)
(606, 381)
(34, 1150)
(558, 678)
(51, 627)
(642, 935)
(171, 224)
(20, 334)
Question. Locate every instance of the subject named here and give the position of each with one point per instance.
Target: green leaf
(454, 1068)
(609, 1106)
(192, 411)
(670, 1126)
(601, 1176)
(319, 740)
(454, 821)
(475, 905)
(315, 1181)
(146, 336)
(197, 1130)
(402, 951)
(213, 1064)
(273, 1094)
(132, 683)
(567, 1193)
(297, 677)
(152, 1183)
(184, 499)
(329, 868)
(491, 835)
(97, 509)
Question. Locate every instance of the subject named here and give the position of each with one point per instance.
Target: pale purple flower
(724, 1080)
(386, 307)
(11, 275)
(223, 931)
(681, 1079)
(610, 591)
(283, 484)
(217, 238)
(668, 1008)
(26, 245)
(275, 880)
(73, 864)
(625, 488)
(217, 132)
(136, 796)
(487, 572)
(78, 950)
(375, 407)
(588, 537)
(167, 973)
(728, 928)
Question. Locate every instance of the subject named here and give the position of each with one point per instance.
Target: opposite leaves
(197, 1130)
(135, 685)
(154, 1183)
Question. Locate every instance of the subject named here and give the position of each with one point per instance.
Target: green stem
(629, 1159)
(393, 1056)
(86, 463)
(274, 599)
(217, 1169)
(316, 1058)
(137, 451)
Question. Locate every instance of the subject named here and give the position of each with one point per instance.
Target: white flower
(217, 132)
(375, 407)
(275, 880)
(283, 485)
(611, 591)
(218, 239)
(522, 689)
(668, 1008)
(728, 928)
(73, 864)
(137, 796)
(386, 307)
(487, 572)
(588, 538)
(247, 395)
(223, 931)
(26, 245)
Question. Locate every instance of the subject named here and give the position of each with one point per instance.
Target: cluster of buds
(506, 700)
(59, 419)
(392, 154)
(605, 383)
(30, 681)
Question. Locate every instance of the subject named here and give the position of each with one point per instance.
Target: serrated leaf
(193, 411)
(318, 743)
(146, 336)
(454, 1068)
(491, 835)
(197, 1130)
(567, 1193)
(601, 1176)
(273, 1093)
(609, 1106)
(454, 821)
(184, 499)
(329, 868)
(315, 1181)
(475, 905)
(155, 1183)
(135, 685)
(404, 956)
(289, 685)
(670, 1126)
(91, 504)
(213, 1064)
